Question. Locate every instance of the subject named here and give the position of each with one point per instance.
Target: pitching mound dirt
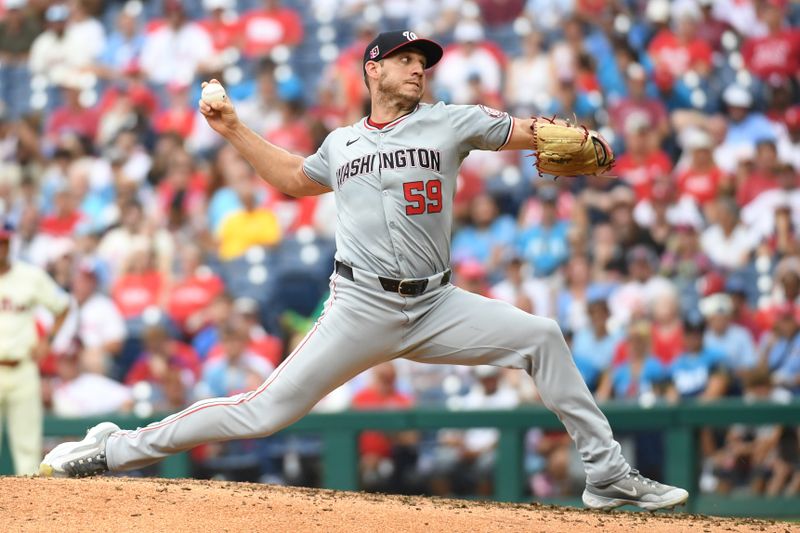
(175, 506)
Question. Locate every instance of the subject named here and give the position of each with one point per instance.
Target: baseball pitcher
(393, 175)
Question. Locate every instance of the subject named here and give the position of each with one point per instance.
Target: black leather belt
(403, 287)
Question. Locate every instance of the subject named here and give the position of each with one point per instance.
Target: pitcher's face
(402, 76)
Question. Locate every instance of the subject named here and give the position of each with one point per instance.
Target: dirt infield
(176, 506)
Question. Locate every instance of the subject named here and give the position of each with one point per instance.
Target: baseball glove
(566, 150)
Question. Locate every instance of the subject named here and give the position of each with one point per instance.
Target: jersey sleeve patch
(492, 112)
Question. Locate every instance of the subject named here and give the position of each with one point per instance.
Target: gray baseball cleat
(80, 459)
(634, 489)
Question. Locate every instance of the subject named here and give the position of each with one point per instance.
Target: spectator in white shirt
(728, 243)
(759, 214)
(521, 289)
(529, 76)
(789, 140)
(727, 337)
(94, 319)
(177, 50)
(133, 234)
(465, 60)
(261, 112)
(30, 244)
(644, 289)
(85, 28)
(76, 393)
(59, 54)
(469, 456)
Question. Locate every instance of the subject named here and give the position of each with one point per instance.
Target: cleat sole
(45, 470)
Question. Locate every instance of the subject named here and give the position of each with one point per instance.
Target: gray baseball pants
(362, 326)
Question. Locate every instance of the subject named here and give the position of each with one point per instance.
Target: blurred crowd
(679, 278)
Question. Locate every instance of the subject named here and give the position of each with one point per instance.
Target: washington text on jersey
(405, 157)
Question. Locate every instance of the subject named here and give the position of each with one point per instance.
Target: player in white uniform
(394, 177)
(23, 288)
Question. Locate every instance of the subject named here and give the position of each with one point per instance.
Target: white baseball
(213, 92)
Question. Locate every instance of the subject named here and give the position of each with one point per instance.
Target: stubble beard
(391, 95)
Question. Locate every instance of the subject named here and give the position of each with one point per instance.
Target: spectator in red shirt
(346, 75)
(247, 312)
(701, 179)
(378, 450)
(764, 176)
(270, 26)
(499, 12)
(65, 217)
(133, 86)
(222, 24)
(710, 29)
(261, 342)
(667, 332)
(586, 74)
(470, 275)
(117, 111)
(193, 291)
(293, 213)
(327, 113)
(140, 286)
(72, 116)
(293, 133)
(780, 95)
(161, 354)
(643, 161)
(678, 51)
(178, 115)
(786, 279)
(778, 52)
(743, 314)
(638, 102)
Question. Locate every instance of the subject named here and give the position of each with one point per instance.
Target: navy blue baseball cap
(388, 42)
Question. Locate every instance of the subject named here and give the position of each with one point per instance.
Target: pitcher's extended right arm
(276, 166)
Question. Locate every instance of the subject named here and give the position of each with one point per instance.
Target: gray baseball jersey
(394, 186)
(394, 192)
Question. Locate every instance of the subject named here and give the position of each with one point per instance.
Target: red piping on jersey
(508, 138)
(375, 126)
(251, 395)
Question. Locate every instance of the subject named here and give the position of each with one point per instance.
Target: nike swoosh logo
(631, 492)
(353, 141)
